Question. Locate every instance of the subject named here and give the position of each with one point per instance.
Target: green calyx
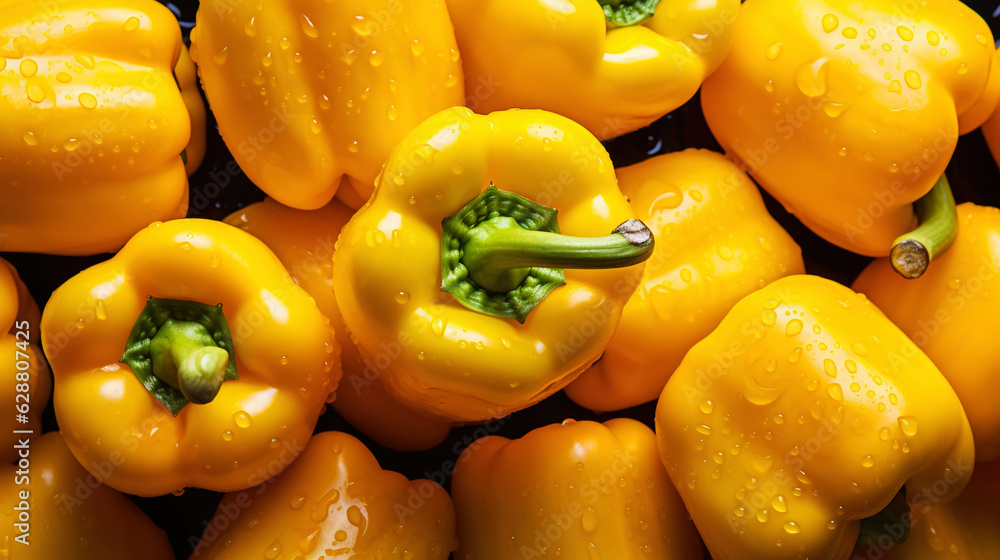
(502, 254)
(181, 351)
(624, 13)
(889, 527)
(937, 227)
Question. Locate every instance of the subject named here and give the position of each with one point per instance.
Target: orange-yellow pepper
(95, 123)
(70, 514)
(803, 413)
(715, 244)
(949, 312)
(310, 98)
(285, 356)
(848, 112)
(570, 490)
(304, 241)
(455, 280)
(991, 130)
(568, 58)
(962, 529)
(333, 501)
(26, 382)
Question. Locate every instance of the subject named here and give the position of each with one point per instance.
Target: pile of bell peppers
(766, 336)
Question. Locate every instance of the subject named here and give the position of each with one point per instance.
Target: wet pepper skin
(687, 286)
(948, 313)
(874, 94)
(333, 502)
(805, 411)
(575, 490)
(450, 361)
(311, 97)
(963, 529)
(19, 342)
(304, 241)
(287, 360)
(561, 57)
(73, 515)
(94, 123)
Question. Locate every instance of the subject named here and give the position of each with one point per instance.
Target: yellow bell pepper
(849, 112)
(180, 391)
(715, 244)
(963, 529)
(802, 414)
(991, 130)
(304, 241)
(462, 208)
(96, 128)
(334, 501)
(949, 313)
(26, 381)
(612, 66)
(575, 490)
(310, 98)
(68, 514)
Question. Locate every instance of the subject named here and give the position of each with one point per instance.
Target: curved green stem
(186, 358)
(936, 230)
(502, 254)
(181, 351)
(499, 253)
(624, 13)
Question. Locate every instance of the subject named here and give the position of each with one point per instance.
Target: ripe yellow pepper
(205, 397)
(304, 241)
(963, 529)
(70, 514)
(96, 127)
(940, 312)
(585, 59)
(335, 500)
(575, 490)
(848, 112)
(310, 98)
(715, 244)
(803, 413)
(991, 130)
(463, 208)
(26, 382)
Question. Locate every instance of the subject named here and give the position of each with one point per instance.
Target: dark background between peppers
(215, 193)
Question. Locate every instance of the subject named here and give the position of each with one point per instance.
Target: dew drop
(933, 38)
(830, 367)
(849, 32)
(401, 297)
(87, 100)
(830, 23)
(912, 79)
(908, 425)
(773, 51)
(836, 392)
(792, 528)
(28, 68)
(242, 419)
(706, 406)
(793, 327)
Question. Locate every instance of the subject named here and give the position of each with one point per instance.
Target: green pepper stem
(937, 227)
(499, 252)
(185, 357)
(624, 13)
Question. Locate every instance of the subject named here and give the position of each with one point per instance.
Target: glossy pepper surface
(991, 130)
(948, 311)
(310, 98)
(608, 78)
(72, 515)
(575, 490)
(962, 529)
(304, 241)
(874, 94)
(26, 380)
(95, 124)
(334, 500)
(285, 355)
(435, 351)
(715, 244)
(803, 413)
